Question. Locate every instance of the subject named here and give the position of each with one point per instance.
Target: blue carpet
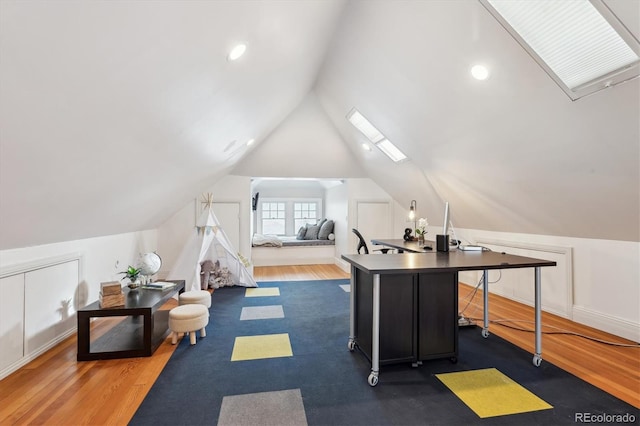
(333, 380)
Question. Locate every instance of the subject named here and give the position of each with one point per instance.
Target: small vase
(135, 284)
(421, 239)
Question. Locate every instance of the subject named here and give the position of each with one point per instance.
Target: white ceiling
(113, 115)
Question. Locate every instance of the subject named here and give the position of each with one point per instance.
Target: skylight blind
(375, 136)
(572, 37)
(365, 126)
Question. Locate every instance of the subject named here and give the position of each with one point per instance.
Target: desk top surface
(441, 262)
(410, 246)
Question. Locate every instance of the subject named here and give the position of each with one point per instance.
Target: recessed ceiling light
(366, 147)
(480, 72)
(237, 51)
(250, 142)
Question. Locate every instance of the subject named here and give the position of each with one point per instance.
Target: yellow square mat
(490, 393)
(262, 292)
(261, 347)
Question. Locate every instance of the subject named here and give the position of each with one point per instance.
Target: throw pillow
(321, 222)
(312, 232)
(301, 232)
(325, 230)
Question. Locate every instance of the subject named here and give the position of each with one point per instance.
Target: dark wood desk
(139, 334)
(420, 296)
(410, 246)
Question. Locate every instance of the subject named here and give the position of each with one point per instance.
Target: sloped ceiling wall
(306, 144)
(511, 153)
(114, 115)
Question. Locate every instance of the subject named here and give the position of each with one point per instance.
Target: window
(273, 218)
(581, 44)
(285, 216)
(304, 213)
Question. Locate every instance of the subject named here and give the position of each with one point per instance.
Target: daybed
(314, 244)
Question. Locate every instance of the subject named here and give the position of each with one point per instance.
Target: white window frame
(290, 229)
(597, 84)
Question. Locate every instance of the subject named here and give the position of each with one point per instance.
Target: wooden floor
(55, 389)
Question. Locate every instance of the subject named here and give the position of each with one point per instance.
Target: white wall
(102, 258)
(174, 233)
(337, 208)
(606, 273)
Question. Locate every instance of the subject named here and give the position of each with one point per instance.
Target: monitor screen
(445, 227)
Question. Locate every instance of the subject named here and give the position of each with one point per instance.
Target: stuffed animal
(222, 277)
(207, 268)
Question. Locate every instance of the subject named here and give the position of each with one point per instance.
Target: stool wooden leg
(174, 337)
(203, 332)
(192, 337)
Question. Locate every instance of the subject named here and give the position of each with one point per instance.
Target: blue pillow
(301, 232)
(325, 230)
(312, 232)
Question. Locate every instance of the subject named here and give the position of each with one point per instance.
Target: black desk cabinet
(418, 316)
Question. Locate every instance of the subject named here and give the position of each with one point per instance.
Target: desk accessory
(442, 243)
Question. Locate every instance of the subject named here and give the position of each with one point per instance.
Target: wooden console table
(139, 334)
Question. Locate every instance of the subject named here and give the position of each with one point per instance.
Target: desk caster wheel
(351, 345)
(537, 360)
(373, 379)
(453, 359)
(485, 333)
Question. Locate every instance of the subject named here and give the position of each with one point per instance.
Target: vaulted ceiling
(113, 115)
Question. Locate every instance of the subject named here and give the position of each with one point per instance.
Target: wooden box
(111, 287)
(111, 300)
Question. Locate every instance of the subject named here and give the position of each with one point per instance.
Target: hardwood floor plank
(55, 389)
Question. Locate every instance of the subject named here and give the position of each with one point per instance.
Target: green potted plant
(134, 276)
(421, 229)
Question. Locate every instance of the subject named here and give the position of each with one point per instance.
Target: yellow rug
(490, 393)
(262, 292)
(261, 347)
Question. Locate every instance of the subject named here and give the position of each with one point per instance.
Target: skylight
(375, 136)
(580, 43)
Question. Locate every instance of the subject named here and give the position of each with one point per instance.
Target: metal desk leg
(352, 312)
(375, 333)
(485, 295)
(537, 357)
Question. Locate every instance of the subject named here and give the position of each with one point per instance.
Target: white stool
(188, 319)
(202, 297)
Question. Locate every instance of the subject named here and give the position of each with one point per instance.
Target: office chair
(363, 245)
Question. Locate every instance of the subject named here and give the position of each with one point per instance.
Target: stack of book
(111, 295)
(159, 285)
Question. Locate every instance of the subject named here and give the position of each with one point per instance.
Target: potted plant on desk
(421, 229)
(134, 277)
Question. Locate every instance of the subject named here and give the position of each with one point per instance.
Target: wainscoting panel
(518, 284)
(38, 308)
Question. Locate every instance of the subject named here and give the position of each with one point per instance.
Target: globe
(149, 264)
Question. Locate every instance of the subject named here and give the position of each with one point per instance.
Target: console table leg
(375, 331)
(352, 311)
(485, 296)
(537, 357)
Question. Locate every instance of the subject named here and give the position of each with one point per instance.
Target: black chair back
(361, 244)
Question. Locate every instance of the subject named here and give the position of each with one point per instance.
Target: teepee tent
(209, 242)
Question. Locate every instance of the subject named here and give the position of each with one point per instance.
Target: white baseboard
(342, 264)
(608, 323)
(30, 357)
